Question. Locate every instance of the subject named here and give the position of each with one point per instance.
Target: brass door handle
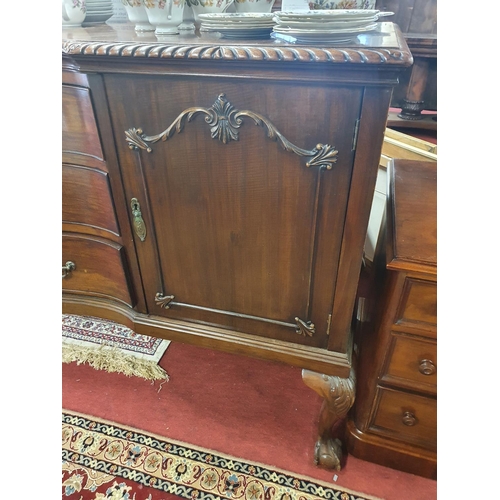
(139, 226)
(70, 266)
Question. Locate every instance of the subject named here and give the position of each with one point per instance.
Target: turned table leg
(413, 103)
(338, 394)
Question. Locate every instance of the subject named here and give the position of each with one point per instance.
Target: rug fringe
(113, 359)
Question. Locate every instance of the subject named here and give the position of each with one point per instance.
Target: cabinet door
(241, 209)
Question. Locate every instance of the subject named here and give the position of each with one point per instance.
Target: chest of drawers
(394, 419)
(218, 192)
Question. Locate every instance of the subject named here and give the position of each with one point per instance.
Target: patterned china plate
(320, 32)
(99, 12)
(236, 18)
(327, 24)
(247, 27)
(331, 15)
(96, 18)
(98, 8)
(327, 14)
(260, 33)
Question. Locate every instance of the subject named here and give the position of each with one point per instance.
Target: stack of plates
(337, 26)
(98, 11)
(238, 25)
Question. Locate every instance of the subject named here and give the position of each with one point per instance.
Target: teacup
(73, 12)
(165, 15)
(341, 4)
(137, 15)
(208, 6)
(242, 6)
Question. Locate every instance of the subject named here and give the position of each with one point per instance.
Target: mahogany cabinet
(393, 421)
(217, 192)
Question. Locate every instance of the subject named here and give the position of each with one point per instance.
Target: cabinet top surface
(413, 215)
(384, 46)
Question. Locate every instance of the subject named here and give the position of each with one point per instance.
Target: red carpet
(257, 410)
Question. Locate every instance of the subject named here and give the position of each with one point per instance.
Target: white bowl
(136, 12)
(253, 5)
(73, 12)
(165, 15)
(208, 6)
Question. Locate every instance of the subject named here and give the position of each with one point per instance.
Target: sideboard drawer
(99, 268)
(412, 362)
(79, 128)
(418, 303)
(86, 198)
(408, 417)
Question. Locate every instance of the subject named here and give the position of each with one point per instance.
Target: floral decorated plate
(337, 14)
(247, 27)
(319, 33)
(326, 24)
(255, 33)
(236, 18)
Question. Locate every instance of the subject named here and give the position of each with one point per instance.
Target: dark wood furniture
(417, 90)
(393, 421)
(217, 192)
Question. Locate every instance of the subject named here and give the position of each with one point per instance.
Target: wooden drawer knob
(427, 367)
(409, 419)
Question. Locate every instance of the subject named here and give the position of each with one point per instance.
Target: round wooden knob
(409, 419)
(427, 367)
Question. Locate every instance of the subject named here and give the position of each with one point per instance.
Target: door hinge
(328, 324)
(355, 135)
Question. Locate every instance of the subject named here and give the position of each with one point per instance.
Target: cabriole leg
(338, 397)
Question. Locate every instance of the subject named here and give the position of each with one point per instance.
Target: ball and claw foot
(328, 454)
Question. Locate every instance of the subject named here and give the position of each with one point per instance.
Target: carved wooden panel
(86, 198)
(244, 206)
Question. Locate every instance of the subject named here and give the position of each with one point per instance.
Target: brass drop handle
(427, 367)
(70, 266)
(139, 226)
(409, 419)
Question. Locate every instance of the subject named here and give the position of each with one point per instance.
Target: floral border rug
(105, 460)
(106, 345)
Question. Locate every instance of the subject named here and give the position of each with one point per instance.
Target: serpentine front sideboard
(217, 192)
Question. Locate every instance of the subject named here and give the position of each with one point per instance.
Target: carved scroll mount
(325, 156)
(135, 140)
(305, 328)
(163, 300)
(224, 121)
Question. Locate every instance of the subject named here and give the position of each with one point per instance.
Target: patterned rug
(105, 460)
(109, 346)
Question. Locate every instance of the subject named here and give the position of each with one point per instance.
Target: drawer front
(87, 198)
(99, 268)
(407, 417)
(79, 128)
(419, 304)
(412, 362)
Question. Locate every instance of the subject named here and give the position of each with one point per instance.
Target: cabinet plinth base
(390, 453)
